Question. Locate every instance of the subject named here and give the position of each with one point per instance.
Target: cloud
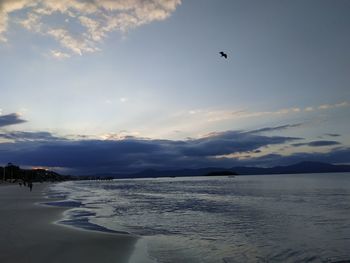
(324, 107)
(222, 115)
(317, 143)
(123, 100)
(71, 43)
(342, 104)
(19, 136)
(119, 153)
(277, 128)
(95, 18)
(127, 154)
(10, 119)
(333, 134)
(229, 142)
(308, 109)
(332, 106)
(59, 55)
(7, 7)
(210, 115)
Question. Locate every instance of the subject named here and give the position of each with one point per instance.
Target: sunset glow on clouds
(96, 20)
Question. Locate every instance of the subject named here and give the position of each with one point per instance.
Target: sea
(260, 218)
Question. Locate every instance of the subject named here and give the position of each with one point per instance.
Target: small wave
(84, 223)
(66, 203)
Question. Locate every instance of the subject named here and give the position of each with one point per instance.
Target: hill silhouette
(298, 168)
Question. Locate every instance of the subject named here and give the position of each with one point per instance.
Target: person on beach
(30, 186)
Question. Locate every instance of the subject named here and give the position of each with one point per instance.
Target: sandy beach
(28, 233)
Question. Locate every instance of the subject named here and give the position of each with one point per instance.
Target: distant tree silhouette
(14, 173)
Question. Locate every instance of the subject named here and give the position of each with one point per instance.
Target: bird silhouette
(223, 54)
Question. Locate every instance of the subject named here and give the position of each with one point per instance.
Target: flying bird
(223, 54)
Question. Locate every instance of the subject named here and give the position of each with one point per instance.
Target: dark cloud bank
(134, 154)
(10, 119)
(317, 143)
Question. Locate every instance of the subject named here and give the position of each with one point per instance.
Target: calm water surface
(265, 218)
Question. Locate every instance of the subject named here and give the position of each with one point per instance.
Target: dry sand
(28, 233)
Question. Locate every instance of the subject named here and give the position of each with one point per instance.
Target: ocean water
(265, 218)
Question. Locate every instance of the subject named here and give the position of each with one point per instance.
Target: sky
(93, 86)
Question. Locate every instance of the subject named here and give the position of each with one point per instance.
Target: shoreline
(29, 232)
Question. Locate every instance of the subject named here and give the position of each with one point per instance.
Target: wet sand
(28, 233)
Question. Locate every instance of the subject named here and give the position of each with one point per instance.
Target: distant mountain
(302, 167)
(209, 171)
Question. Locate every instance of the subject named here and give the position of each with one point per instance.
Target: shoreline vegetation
(29, 233)
(12, 173)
